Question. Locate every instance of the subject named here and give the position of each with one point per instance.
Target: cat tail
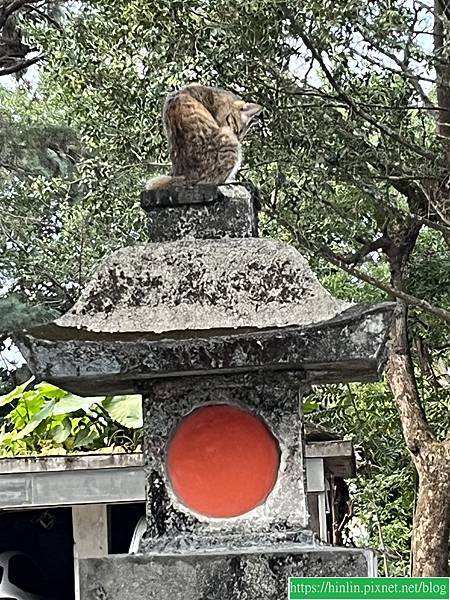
(163, 182)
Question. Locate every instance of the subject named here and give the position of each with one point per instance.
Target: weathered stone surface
(201, 212)
(350, 347)
(275, 397)
(197, 321)
(202, 285)
(259, 575)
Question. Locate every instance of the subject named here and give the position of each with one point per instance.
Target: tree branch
(367, 248)
(34, 9)
(340, 262)
(431, 224)
(414, 78)
(358, 110)
(20, 65)
(8, 10)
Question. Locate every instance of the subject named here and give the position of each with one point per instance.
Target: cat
(204, 127)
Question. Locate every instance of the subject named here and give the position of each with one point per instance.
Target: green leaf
(126, 410)
(61, 431)
(37, 419)
(50, 391)
(29, 405)
(86, 436)
(15, 393)
(73, 403)
(309, 406)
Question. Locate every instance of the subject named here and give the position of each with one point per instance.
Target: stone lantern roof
(196, 302)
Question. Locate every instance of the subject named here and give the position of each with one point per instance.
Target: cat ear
(249, 110)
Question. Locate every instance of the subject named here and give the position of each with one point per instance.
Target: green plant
(46, 420)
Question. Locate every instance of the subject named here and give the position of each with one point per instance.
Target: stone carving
(205, 314)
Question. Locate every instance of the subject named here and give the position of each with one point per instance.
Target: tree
(16, 53)
(420, 198)
(351, 156)
(424, 198)
(13, 51)
(58, 214)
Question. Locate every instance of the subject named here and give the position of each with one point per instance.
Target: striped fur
(204, 127)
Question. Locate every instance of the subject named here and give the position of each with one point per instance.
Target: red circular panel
(222, 461)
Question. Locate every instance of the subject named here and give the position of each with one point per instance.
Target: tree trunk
(432, 515)
(442, 67)
(430, 536)
(439, 193)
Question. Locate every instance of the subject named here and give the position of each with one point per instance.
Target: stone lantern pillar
(223, 334)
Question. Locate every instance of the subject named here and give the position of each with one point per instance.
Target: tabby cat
(204, 126)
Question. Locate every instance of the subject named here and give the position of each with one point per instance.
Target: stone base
(259, 576)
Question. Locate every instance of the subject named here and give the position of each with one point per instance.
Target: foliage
(17, 315)
(49, 420)
(16, 17)
(57, 215)
(384, 489)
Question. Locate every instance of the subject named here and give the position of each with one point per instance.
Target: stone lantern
(223, 333)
